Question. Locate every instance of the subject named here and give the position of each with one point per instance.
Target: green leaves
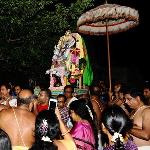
(29, 29)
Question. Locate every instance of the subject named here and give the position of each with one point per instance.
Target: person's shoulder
(83, 125)
(6, 110)
(94, 101)
(97, 104)
(29, 114)
(5, 113)
(146, 110)
(2, 107)
(26, 114)
(66, 145)
(74, 98)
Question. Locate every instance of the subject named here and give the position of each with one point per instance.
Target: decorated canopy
(107, 19)
(118, 19)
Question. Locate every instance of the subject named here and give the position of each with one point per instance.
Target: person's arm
(124, 108)
(143, 133)
(3, 114)
(0, 118)
(33, 107)
(110, 96)
(97, 112)
(64, 130)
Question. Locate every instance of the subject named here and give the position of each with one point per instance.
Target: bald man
(19, 123)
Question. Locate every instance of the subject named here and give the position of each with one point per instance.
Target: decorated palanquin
(68, 62)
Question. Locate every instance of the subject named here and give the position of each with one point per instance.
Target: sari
(83, 135)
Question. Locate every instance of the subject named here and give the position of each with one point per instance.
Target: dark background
(129, 50)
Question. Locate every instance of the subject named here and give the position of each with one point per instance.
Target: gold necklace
(137, 111)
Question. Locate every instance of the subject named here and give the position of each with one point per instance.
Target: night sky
(129, 50)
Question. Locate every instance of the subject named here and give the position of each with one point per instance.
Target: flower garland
(116, 136)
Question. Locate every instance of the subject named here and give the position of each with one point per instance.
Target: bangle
(63, 134)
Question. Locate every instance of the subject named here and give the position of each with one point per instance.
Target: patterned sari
(129, 145)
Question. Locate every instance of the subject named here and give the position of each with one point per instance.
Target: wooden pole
(108, 53)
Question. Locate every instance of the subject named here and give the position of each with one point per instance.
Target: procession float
(70, 65)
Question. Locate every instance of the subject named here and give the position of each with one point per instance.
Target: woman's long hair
(46, 126)
(115, 120)
(83, 109)
(5, 143)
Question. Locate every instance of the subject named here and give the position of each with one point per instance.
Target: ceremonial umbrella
(107, 19)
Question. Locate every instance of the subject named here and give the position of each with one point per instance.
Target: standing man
(64, 111)
(141, 119)
(19, 123)
(68, 92)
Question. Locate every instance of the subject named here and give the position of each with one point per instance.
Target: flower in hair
(45, 122)
(44, 127)
(46, 139)
(116, 136)
(90, 112)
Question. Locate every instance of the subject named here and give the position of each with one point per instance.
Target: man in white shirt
(68, 92)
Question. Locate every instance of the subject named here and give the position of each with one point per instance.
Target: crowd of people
(97, 120)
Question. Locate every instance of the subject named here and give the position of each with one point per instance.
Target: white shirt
(12, 102)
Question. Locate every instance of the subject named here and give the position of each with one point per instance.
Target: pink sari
(83, 136)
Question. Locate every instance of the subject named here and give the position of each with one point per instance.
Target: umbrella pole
(108, 53)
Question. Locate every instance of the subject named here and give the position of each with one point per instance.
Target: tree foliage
(29, 29)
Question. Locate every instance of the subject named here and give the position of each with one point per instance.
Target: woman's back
(129, 145)
(83, 135)
(65, 144)
(48, 126)
(116, 125)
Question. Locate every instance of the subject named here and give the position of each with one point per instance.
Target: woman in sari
(84, 131)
